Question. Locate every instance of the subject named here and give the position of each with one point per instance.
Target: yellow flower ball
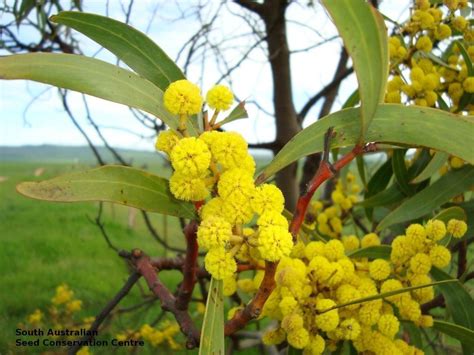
(272, 218)
(422, 4)
(443, 31)
(391, 285)
(435, 229)
(334, 250)
(274, 243)
(456, 163)
(427, 21)
(350, 242)
(313, 249)
(425, 294)
(424, 44)
(229, 286)
(416, 236)
(315, 346)
(393, 97)
(292, 322)
(452, 4)
(188, 188)
(298, 338)
(213, 232)
(220, 98)
(329, 320)
(457, 228)
(267, 197)
(370, 240)
(166, 141)
(425, 321)
(459, 23)
(190, 156)
(417, 74)
(236, 209)
(182, 98)
(235, 182)
(287, 305)
(274, 337)
(322, 218)
(212, 208)
(347, 293)
(440, 256)
(350, 329)
(410, 309)
(468, 84)
(229, 149)
(388, 325)
(369, 314)
(420, 264)
(220, 263)
(379, 269)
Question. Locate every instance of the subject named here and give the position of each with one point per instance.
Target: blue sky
(45, 122)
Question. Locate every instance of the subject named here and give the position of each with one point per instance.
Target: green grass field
(46, 244)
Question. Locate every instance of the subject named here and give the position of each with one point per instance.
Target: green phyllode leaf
(113, 183)
(364, 34)
(436, 162)
(373, 252)
(392, 123)
(463, 334)
(459, 303)
(237, 113)
(89, 76)
(212, 333)
(441, 191)
(131, 46)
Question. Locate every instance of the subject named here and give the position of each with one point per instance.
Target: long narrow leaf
(463, 334)
(133, 47)
(373, 252)
(89, 76)
(448, 186)
(438, 160)
(392, 123)
(117, 184)
(212, 333)
(365, 37)
(459, 303)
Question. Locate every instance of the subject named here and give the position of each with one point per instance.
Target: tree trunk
(285, 114)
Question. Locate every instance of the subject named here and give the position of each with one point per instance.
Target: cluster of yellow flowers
(61, 314)
(329, 221)
(164, 335)
(316, 281)
(215, 170)
(431, 24)
(63, 307)
(417, 77)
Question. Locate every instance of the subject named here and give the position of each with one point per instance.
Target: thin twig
(132, 279)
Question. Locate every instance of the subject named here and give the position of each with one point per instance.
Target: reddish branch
(190, 267)
(324, 173)
(254, 308)
(132, 280)
(144, 266)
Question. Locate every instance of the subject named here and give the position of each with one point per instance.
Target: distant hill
(83, 155)
(72, 154)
